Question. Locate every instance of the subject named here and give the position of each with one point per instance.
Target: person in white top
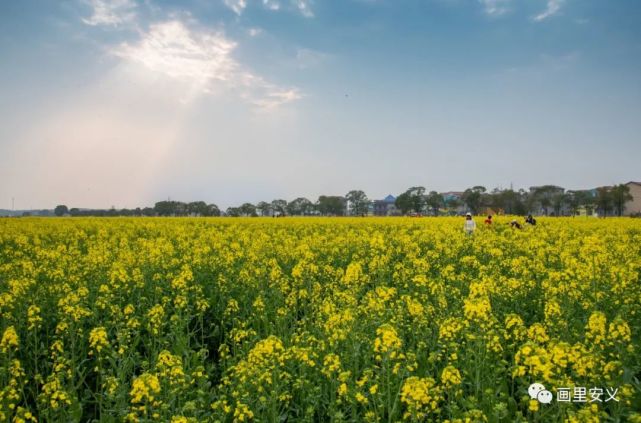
(470, 224)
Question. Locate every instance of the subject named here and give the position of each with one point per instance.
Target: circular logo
(534, 390)
(544, 397)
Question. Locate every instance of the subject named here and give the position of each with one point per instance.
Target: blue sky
(126, 102)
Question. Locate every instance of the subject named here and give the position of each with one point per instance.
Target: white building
(633, 207)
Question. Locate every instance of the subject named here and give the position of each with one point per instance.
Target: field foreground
(318, 319)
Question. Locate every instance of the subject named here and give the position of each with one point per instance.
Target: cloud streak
(495, 7)
(271, 4)
(203, 61)
(236, 5)
(304, 7)
(553, 7)
(111, 12)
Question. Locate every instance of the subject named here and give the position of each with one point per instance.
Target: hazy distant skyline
(128, 102)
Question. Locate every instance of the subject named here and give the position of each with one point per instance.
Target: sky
(127, 102)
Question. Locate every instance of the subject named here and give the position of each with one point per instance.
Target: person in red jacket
(488, 221)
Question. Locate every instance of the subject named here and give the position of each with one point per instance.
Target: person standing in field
(488, 221)
(530, 220)
(470, 224)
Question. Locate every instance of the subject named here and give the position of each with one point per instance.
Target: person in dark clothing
(530, 220)
(516, 225)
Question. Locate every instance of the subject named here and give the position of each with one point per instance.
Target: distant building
(385, 207)
(452, 195)
(454, 202)
(586, 211)
(633, 207)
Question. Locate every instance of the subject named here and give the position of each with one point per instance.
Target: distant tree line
(546, 200)
(301, 206)
(161, 208)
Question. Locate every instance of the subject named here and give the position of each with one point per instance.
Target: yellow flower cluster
(156, 317)
(331, 364)
(170, 366)
(33, 317)
(387, 340)
(316, 319)
(596, 328)
(449, 328)
(421, 396)
(144, 388)
(9, 340)
(451, 376)
(98, 339)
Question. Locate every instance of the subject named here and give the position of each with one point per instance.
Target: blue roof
(389, 199)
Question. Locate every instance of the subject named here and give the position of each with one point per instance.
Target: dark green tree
(233, 212)
(603, 201)
(472, 197)
(508, 200)
(61, 210)
(620, 195)
(213, 210)
(545, 196)
(279, 207)
(413, 199)
(264, 208)
(198, 208)
(171, 208)
(331, 205)
(300, 207)
(559, 200)
(248, 209)
(404, 203)
(435, 201)
(573, 202)
(358, 202)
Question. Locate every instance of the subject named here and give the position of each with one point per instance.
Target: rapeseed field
(319, 319)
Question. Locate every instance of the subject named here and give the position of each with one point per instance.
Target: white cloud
(202, 61)
(236, 5)
(304, 7)
(553, 6)
(271, 4)
(111, 12)
(495, 7)
(254, 32)
(272, 96)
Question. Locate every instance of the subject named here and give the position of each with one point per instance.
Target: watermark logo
(577, 394)
(538, 392)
